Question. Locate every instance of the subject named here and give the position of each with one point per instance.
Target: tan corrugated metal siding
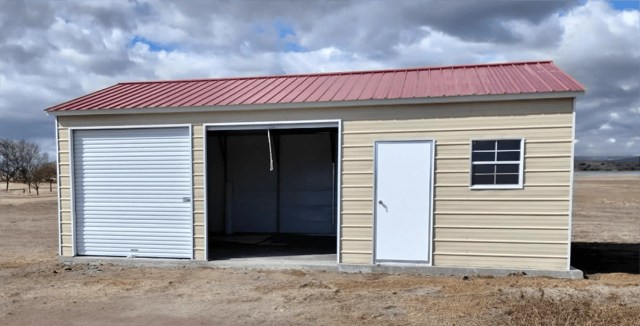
(198, 193)
(481, 228)
(64, 189)
(525, 228)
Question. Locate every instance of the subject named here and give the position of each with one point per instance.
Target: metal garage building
(460, 166)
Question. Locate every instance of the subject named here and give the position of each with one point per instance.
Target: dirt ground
(36, 289)
(607, 207)
(606, 229)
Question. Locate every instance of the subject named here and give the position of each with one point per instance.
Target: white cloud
(325, 60)
(50, 53)
(605, 126)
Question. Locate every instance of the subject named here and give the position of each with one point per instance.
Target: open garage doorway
(272, 191)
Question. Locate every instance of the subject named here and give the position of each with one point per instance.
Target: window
(496, 163)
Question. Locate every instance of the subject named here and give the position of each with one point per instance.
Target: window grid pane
(509, 144)
(496, 162)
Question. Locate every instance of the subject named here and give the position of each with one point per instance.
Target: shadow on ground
(222, 248)
(594, 257)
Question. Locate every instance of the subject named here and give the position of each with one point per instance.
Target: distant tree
(9, 160)
(42, 171)
(23, 161)
(30, 160)
(50, 174)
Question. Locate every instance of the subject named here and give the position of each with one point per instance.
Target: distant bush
(629, 164)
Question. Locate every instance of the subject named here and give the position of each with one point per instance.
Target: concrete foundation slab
(325, 262)
(458, 271)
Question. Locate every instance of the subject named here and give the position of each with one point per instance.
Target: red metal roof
(482, 79)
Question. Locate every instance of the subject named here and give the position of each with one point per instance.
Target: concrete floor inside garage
(272, 197)
(274, 251)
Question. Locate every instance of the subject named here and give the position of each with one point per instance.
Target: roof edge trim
(307, 105)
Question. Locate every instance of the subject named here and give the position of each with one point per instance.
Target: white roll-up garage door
(133, 192)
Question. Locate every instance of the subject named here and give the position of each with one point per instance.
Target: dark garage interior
(271, 192)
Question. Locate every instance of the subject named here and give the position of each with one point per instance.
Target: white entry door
(403, 181)
(132, 192)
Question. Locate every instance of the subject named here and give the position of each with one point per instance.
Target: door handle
(381, 203)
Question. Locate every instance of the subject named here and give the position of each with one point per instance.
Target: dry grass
(35, 288)
(536, 311)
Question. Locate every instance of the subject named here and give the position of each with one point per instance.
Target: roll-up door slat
(133, 192)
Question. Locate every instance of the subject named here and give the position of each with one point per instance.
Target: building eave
(332, 104)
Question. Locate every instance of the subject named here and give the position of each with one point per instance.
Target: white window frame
(520, 184)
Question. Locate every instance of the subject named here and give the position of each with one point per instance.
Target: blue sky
(625, 4)
(51, 52)
(153, 46)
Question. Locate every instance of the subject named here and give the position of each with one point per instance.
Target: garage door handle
(381, 203)
(186, 199)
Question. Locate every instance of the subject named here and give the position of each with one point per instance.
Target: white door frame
(264, 125)
(375, 196)
(72, 173)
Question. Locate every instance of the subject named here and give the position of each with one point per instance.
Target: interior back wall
(298, 196)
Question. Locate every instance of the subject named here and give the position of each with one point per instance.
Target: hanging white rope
(270, 151)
